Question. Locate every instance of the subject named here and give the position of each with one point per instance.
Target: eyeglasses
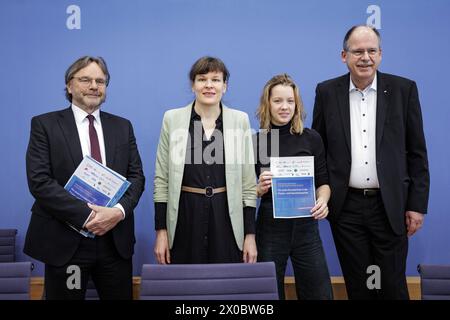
(86, 81)
(360, 52)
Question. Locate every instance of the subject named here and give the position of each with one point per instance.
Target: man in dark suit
(58, 142)
(371, 125)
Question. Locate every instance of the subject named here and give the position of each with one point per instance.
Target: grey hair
(81, 63)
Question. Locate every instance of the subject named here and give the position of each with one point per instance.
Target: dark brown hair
(208, 64)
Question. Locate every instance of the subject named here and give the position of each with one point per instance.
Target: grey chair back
(91, 291)
(8, 245)
(15, 280)
(434, 281)
(229, 281)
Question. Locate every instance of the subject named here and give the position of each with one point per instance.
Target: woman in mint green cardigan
(204, 185)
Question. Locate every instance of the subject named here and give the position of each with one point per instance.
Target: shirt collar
(372, 86)
(80, 115)
(196, 117)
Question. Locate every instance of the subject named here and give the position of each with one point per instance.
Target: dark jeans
(299, 239)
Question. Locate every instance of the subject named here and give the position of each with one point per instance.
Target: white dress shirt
(83, 132)
(363, 111)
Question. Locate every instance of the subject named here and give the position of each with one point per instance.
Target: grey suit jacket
(239, 166)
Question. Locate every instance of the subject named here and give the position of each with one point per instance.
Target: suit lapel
(233, 140)
(179, 127)
(178, 137)
(109, 138)
(227, 146)
(382, 107)
(69, 128)
(344, 107)
(232, 156)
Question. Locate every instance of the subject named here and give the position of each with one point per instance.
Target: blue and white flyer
(293, 188)
(97, 184)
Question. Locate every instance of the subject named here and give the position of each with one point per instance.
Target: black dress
(204, 233)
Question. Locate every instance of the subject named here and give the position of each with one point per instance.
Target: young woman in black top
(281, 117)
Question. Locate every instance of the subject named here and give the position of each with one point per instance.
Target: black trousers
(363, 238)
(298, 239)
(97, 259)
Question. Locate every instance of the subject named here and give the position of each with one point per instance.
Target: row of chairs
(193, 282)
(229, 281)
(14, 276)
(232, 281)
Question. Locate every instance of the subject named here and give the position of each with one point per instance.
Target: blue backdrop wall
(150, 46)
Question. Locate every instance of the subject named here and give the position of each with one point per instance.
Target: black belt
(365, 192)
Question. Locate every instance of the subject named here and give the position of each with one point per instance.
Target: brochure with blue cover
(97, 184)
(293, 188)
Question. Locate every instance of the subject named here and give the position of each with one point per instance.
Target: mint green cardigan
(239, 166)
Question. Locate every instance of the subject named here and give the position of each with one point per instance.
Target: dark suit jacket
(401, 154)
(54, 152)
